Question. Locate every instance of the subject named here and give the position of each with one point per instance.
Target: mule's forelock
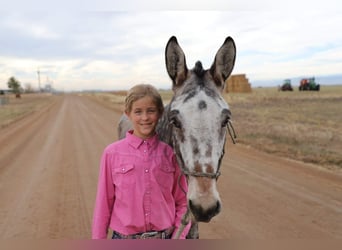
(198, 70)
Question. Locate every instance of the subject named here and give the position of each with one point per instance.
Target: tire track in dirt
(296, 190)
(24, 130)
(86, 145)
(24, 178)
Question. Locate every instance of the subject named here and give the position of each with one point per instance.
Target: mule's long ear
(175, 62)
(224, 62)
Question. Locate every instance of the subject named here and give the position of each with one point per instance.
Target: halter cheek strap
(231, 131)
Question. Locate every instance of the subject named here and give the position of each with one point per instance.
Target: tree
(14, 84)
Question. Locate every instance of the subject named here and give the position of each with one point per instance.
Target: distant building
(3, 98)
(5, 91)
(48, 88)
(238, 83)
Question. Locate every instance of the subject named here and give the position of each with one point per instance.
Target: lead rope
(230, 128)
(185, 221)
(179, 184)
(185, 218)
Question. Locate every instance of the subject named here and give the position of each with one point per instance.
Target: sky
(76, 45)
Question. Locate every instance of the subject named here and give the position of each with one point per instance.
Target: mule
(195, 124)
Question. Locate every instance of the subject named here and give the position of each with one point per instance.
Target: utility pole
(38, 72)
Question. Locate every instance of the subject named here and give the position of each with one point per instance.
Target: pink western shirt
(138, 188)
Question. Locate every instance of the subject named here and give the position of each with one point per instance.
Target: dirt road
(49, 167)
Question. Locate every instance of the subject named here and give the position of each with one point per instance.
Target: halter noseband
(199, 174)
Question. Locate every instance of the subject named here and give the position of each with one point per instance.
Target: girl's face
(144, 116)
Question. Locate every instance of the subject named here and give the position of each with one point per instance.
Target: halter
(231, 129)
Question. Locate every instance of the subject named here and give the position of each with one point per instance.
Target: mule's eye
(175, 122)
(174, 119)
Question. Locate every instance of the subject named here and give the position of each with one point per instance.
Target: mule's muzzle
(204, 215)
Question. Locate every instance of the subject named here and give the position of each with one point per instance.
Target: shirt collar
(136, 142)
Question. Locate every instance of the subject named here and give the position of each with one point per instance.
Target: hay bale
(238, 83)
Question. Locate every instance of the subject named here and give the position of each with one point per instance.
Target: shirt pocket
(165, 176)
(124, 175)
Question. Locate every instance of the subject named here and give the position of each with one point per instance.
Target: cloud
(116, 49)
(157, 5)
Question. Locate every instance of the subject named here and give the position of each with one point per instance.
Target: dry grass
(18, 108)
(111, 100)
(115, 100)
(305, 126)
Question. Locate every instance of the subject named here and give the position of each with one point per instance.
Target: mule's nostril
(218, 207)
(204, 215)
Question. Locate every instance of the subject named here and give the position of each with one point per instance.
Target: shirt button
(146, 170)
(123, 170)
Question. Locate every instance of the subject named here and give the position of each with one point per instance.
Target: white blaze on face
(202, 130)
(201, 140)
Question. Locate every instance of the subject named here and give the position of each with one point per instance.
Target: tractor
(309, 84)
(286, 86)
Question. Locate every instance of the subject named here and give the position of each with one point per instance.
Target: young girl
(139, 194)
